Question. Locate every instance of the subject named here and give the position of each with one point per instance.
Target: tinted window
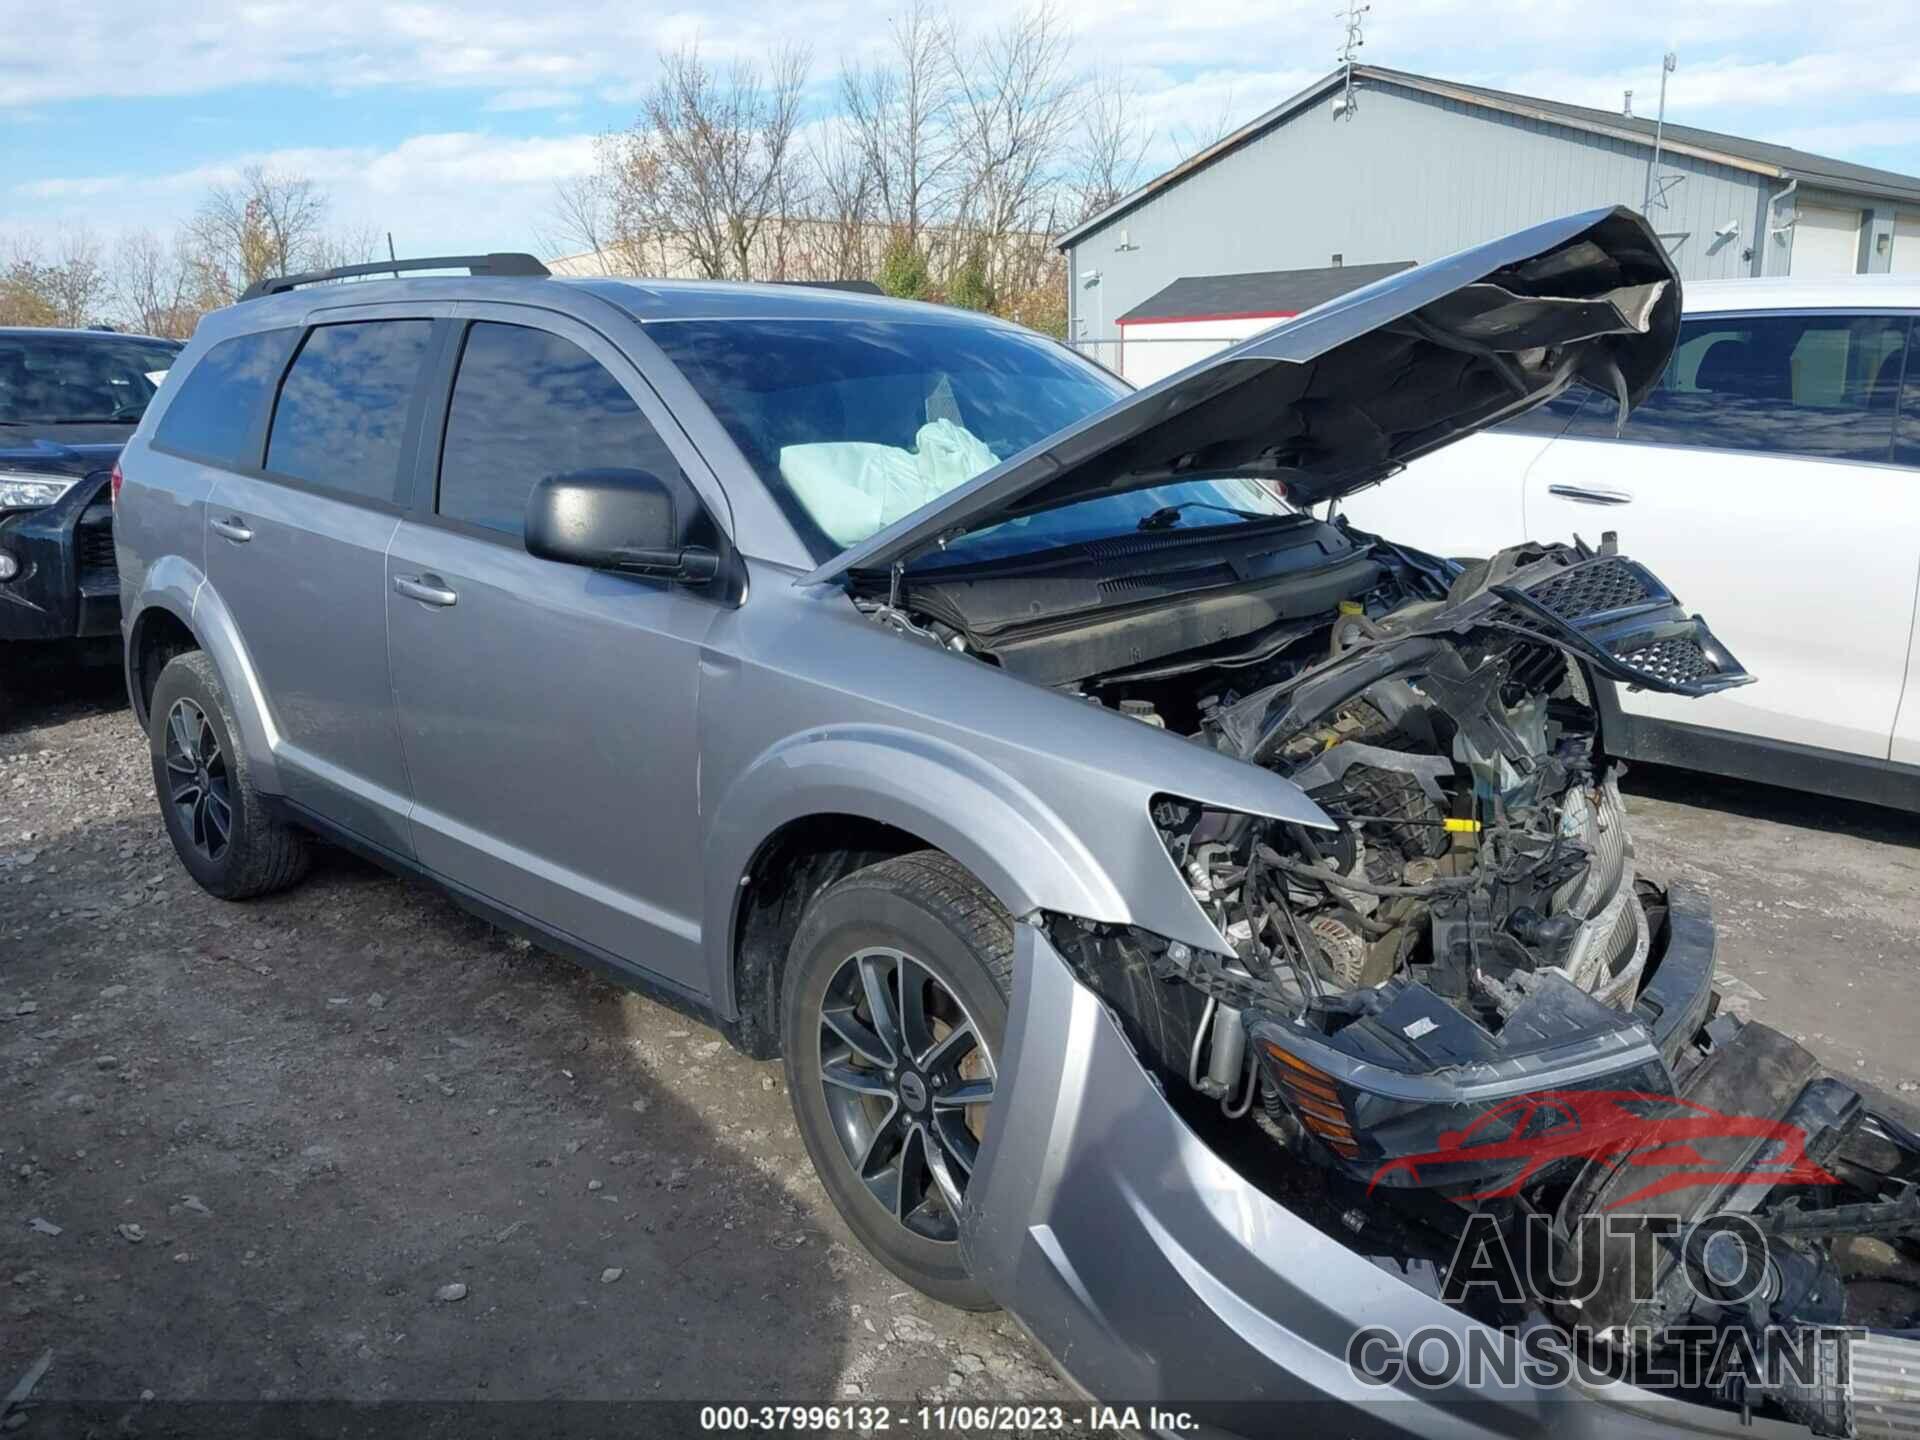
(526, 405)
(1906, 444)
(52, 378)
(853, 424)
(216, 416)
(343, 410)
(1817, 385)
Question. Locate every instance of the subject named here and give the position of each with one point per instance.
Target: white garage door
(1826, 242)
(1905, 259)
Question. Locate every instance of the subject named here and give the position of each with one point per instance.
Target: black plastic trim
(506, 262)
(1808, 768)
(622, 972)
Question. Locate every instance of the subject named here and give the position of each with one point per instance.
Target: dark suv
(69, 400)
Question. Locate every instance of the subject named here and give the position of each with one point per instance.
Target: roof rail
(510, 262)
(852, 287)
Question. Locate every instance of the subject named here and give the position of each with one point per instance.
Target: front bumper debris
(68, 586)
(1155, 1274)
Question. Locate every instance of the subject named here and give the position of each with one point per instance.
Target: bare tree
(69, 288)
(1013, 114)
(1191, 139)
(840, 233)
(1109, 145)
(23, 290)
(77, 279)
(900, 113)
(357, 246)
(265, 223)
(708, 164)
(582, 221)
(158, 288)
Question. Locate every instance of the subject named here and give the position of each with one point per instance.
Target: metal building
(1401, 167)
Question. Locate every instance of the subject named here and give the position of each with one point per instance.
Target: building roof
(1256, 294)
(1778, 162)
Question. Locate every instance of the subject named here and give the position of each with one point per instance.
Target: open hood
(1348, 393)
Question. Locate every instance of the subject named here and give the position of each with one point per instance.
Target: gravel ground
(246, 1149)
(270, 1134)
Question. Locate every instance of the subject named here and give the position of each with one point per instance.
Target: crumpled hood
(1348, 393)
(62, 449)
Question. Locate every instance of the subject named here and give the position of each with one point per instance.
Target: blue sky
(451, 124)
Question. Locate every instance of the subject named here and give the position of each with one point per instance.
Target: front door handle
(233, 527)
(1591, 494)
(427, 589)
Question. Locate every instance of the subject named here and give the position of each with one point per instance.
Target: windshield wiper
(1168, 516)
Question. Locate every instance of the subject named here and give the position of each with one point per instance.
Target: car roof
(644, 300)
(1834, 292)
(89, 333)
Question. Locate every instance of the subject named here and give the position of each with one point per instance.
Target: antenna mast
(1668, 63)
(1354, 17)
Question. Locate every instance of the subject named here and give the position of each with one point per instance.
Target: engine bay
(1462, 1005)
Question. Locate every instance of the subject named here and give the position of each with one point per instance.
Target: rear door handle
(1591, 494)
(233, 527)
(427, 589)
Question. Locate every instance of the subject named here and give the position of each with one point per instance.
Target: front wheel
(894, 1011)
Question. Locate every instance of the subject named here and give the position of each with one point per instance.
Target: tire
(257, 855)
(924, 918)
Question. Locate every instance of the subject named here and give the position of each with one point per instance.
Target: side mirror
(631, 521)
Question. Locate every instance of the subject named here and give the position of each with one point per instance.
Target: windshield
(854, 424)
(61, 378)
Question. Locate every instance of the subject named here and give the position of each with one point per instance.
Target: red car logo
(1658, 1132)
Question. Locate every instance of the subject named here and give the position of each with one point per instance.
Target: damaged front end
(1457, 1013)
(1464, 1013)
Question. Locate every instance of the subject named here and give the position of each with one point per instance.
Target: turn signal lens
(1315, 1098)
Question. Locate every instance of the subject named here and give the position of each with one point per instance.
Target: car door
(1757, 480)
(296, 549)
(1905, 749)
(1466, 500)
(549, 710)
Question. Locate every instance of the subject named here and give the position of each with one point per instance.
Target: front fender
(1020, 849)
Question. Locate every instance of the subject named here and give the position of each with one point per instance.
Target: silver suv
(1159, 891)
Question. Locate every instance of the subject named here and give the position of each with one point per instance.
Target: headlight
(23, 491)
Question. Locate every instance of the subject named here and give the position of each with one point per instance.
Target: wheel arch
(824, 803)
(193, 610)
(157, 634)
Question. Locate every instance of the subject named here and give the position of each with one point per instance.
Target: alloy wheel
(198, 782)
(907, 1077)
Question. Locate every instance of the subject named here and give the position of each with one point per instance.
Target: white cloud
(456, 191)
(1840, 77)
(510, 100)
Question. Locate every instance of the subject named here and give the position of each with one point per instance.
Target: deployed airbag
(853, 487)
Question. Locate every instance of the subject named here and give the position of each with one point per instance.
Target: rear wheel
(217, 821)
(893, 1014)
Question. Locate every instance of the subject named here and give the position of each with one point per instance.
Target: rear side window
(217, 414)
(1824, 386)
(528, 404)
(342, 417)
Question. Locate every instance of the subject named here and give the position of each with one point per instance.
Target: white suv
(1773, 469)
